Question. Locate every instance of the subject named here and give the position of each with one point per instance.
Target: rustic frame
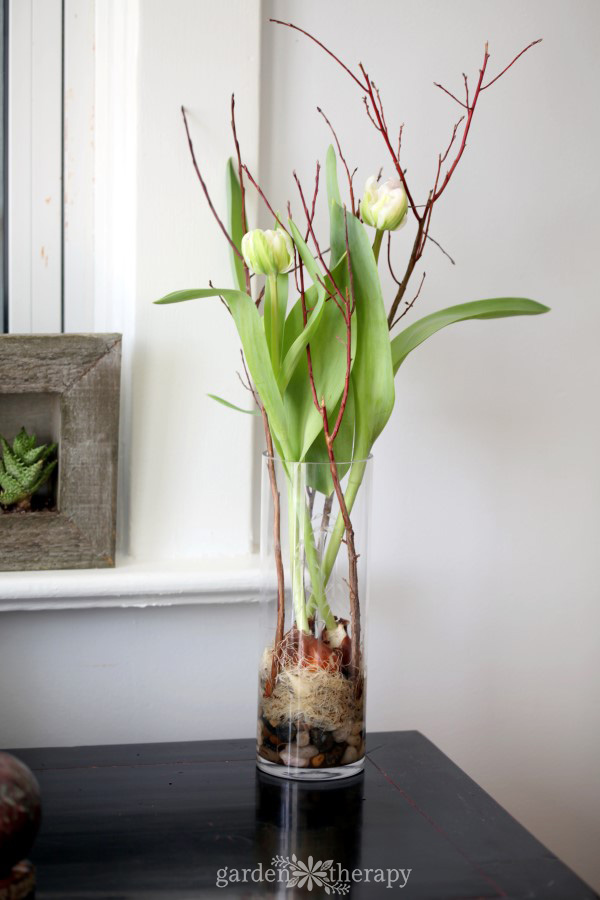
(84, 370)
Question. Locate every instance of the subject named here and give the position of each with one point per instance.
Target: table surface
(158, 822)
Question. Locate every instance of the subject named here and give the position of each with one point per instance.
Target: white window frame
(79, 139)
(90, 79)
(34, 144)
(71, 159)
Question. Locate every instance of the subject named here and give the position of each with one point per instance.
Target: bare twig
(439, 246)
(323, 47)
(205, 189)
(389, 258)
(452, 139)
(381, 110)
(221, 298)
(314, 202)
(366, 102)
(374, 108)
(466, 81)
(261, 194)
(450, 94)
(511, 63)
(439, 191)
(343, 159)
(412, 262)
(317, 247)
(410, 305)
(400, 131)
(386, 138)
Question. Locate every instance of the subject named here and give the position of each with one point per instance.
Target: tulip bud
(384, 206)
(268, 252)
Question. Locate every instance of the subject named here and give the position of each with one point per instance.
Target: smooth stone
(291, 759)
(307, 752)
(354, 740)
(341, 734)
(303, 738)
(269, 754)
(350, 756)
(361, 750)
(333, 756)
(357, 728)
(302, 726)
(286, 732)
(317, 760)
(323, 740)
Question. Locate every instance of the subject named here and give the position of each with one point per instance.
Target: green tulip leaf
(314, 312)
(328, 354)
(337, 230)
(236, 222)
(372, 373)
(248, 412)
(494, 308)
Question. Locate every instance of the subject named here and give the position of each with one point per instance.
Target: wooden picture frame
(80, 374)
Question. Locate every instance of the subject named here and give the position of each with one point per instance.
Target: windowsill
(133, 583)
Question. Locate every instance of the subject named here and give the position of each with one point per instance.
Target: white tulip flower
(268, 252)
(384, 206)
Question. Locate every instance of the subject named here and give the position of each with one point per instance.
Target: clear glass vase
(311, 692)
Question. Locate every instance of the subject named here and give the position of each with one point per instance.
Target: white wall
(484, 577)
(190, 496)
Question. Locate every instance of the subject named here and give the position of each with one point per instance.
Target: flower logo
(310, 874)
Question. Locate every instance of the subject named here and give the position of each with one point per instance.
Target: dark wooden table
(158, 822)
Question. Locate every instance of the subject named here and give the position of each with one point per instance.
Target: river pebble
(291, 759)
(350, 755)
(268, 753)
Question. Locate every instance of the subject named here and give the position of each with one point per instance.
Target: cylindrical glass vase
(311, 691)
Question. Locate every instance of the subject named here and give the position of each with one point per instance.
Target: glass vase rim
(307, 462)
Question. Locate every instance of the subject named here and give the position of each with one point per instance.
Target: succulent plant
(24, 468)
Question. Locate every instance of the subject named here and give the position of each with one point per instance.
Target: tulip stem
(274, 311)
(377, 244)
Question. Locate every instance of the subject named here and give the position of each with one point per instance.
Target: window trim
(4, 248)
(34, 144)
(134, 584)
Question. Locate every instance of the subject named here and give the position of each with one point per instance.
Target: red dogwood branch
(343, 159)
(262, 196)
(205, 189)
(375, 111)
